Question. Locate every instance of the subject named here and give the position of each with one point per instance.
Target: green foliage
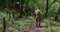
(21, 25)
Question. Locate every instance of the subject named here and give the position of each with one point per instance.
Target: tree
(48, 6)
(21, 3)
(4, 25)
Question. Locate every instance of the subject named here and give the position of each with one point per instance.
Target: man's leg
(37, 24)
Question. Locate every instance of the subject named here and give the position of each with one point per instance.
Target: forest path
(33, 28)
(36, 29)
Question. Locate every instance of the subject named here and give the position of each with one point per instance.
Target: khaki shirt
(38, 15)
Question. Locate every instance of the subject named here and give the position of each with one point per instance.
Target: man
(38, 18)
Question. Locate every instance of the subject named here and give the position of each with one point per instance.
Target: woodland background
(19, 14)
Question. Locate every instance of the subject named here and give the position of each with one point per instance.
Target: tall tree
(26, 7)
(9, 7)
(21, 3)
(13, 9)
(46, 8)
(4, 25)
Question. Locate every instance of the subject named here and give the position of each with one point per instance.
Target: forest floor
(24, 24)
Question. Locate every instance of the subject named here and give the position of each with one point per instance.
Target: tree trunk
(4, 25)
(21, 8)
(46, 9)
(13, 12)
(26, 8)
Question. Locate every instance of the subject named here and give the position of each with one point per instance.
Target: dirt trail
(35, 29)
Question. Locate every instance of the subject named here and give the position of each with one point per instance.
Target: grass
(22, 25)
(54, 26)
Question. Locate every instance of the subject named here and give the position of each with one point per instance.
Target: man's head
(37, 11)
